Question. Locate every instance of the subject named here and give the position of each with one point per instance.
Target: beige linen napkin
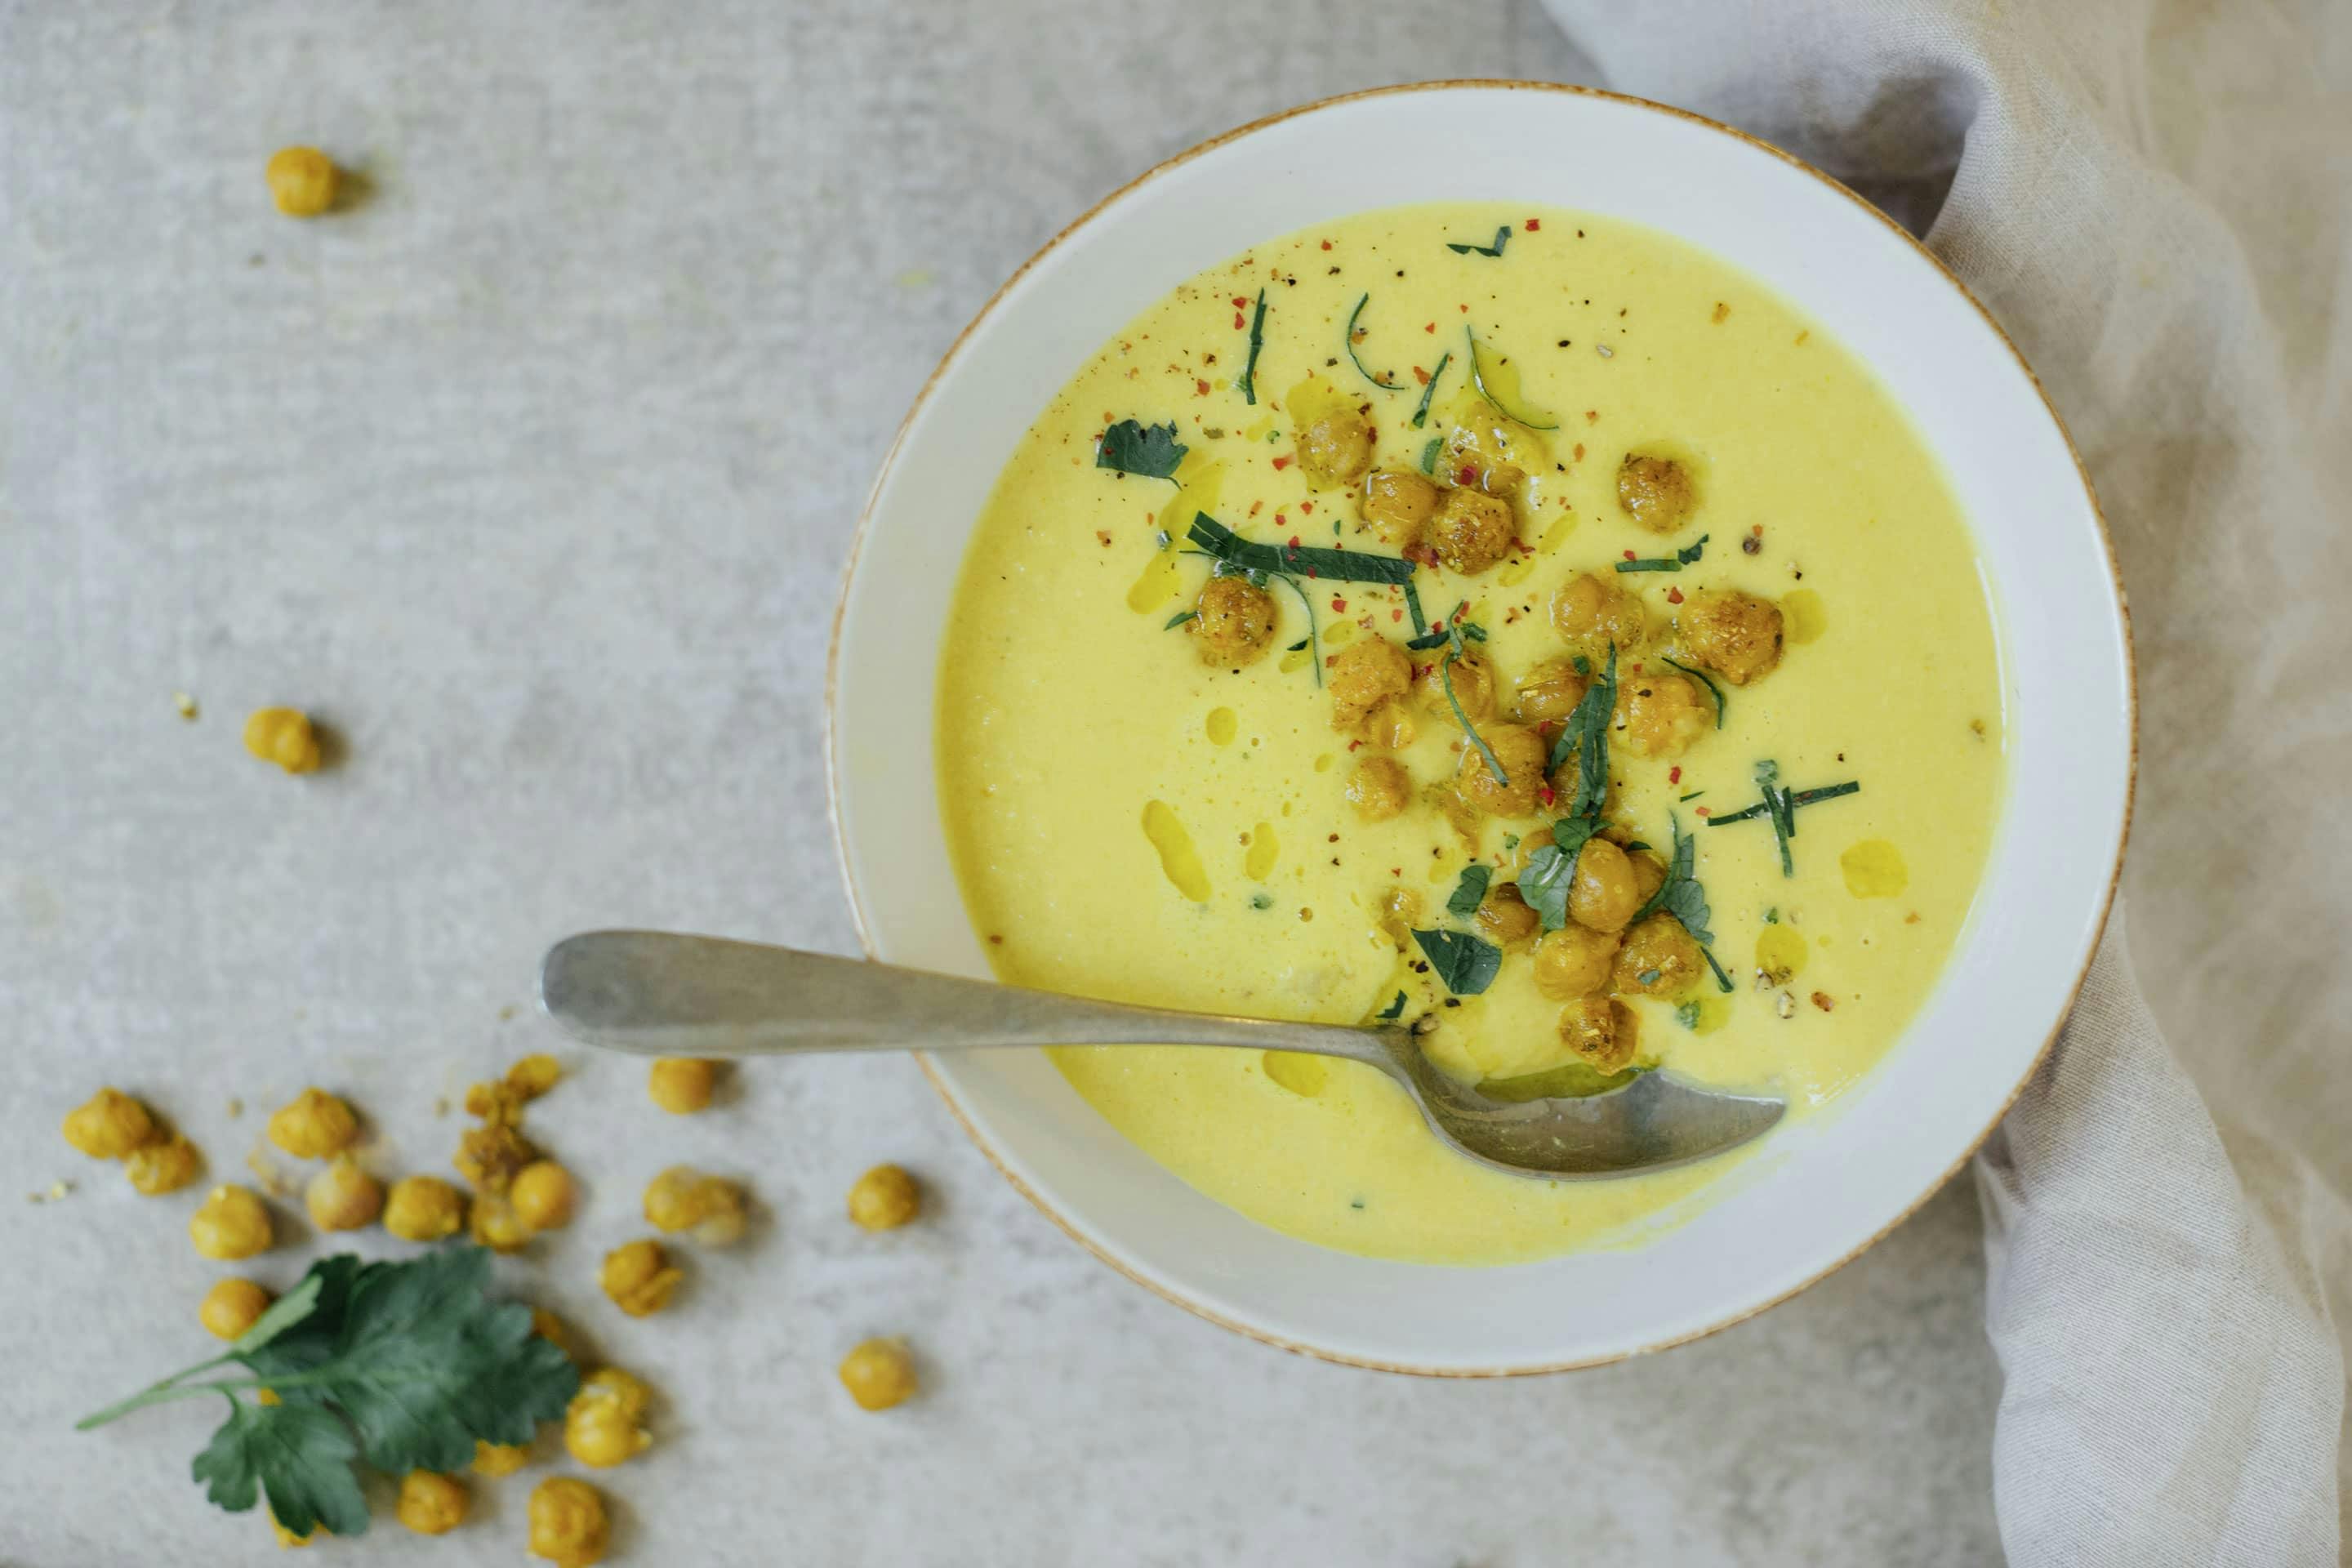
(2155, 203)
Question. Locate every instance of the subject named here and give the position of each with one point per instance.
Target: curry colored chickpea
(1337, 447)
(1504, 918)
(1489, 455)
(1659, 959)
(534, 1075)
(878, 1374)
(490, 1156)
(543, 1196)
(301, 181)
(424, 1208)
(1232, 624)
(1736, 635)
(884, 1198)
(681, 1085)
(683, 1198)
(1603, 894)
(342, 1197)
(230, 1224)
(639, 1278)
(1471, 530)
(604, 1423)
(431, 1503)
(108, 1125)
(164, 1165)
(1365, 674)
(1396, 504)
(1574, 961)
(1381, 789)
(568, 1527)
(1661, 715)
(1471, 678)
(314, 1125)
(1656, 493)
(284, 736)
(492, 1222)
(231, 1307)
(1521, 753)
(1549, 692)
(1602, 1031)
(1592, 613)
(496, 1459)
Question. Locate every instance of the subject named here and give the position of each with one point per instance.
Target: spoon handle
(661, 994)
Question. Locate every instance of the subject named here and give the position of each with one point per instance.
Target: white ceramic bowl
(1824, 1188)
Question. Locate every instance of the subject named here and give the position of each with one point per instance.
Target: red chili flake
(1534, 224)
(1201, 387)
(1241, 301)
(1469, 476)
(1431, 328)
(1282, 463)
(1580, 451)
(1237, 321)
(1327, 245)
(1396, 870)
(1103, 534)
(1312, 573)
(1338, 606)
(1544, 795)
(1353, 745)
(1396, 615)
(1704, 810)
(1294, 538)
(1674, 595)
(1593, 416)
(1254, 506)
(1673, 775)
(1466, 310)
(1304, 506)
(1631, 556)
(1421, 375)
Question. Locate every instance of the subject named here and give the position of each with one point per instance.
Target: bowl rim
(2090, 494)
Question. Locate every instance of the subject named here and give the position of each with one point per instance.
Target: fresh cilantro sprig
(404, 1366)
(1132, 446)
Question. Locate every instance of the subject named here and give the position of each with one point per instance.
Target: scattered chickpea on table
(878, 1374)
(231, 1307)
(285, 736)
(639, 1278)
(568, 1526)
(231, 1222)
(604, 1423)
(431, 1503)
(303, 181)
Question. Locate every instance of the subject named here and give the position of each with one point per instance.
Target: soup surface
(1679, 559)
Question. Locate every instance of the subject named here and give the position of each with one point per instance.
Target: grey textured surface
(533, 475)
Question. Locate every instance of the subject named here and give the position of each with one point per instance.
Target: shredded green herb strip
(1712, 689)
(1429, 455)
(1313, 635)
(1796, 798)
(1421, 414)
(1551, 870)
(1686, 1014)
(1478, 380)
(1309, 561)
(1470, 891)
(1394, 1011)
(1180, 618)
(403, 1366)
(1502, 239)
(1354, 358)
(1494, 762)
(1133, 448)
(1586, 738)
(1256, 341)
(1779, 806)
(1466, 965)
(1413, 607)
(1681, 558)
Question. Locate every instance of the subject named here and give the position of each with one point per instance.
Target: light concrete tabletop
(532, 476)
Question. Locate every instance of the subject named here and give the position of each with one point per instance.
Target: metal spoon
(658, 994)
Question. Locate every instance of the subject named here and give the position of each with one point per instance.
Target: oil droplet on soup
(1222, 725)
(1178, 858)
(1298, 1072)
(1801, 620)
(1263, 849)
(1874, 869)
(1780, 953)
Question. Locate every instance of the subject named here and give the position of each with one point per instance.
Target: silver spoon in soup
(660, 993)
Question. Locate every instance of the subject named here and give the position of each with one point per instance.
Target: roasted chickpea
(1522, 753)
(1504, 918)
(1236, 623)
(885, 1198)
(342, 1197)
(1736, 635)
(681, 1085)
(1391, 726)
(424, 1208)
(568, 1527)
(230, 1224)
(163, 1166)
(231, 1307)
(314, 1125)
(1602, 1031)
(639, 1278)
(1399, 914)
(878, 1373)
(534, 1075)
(496, 1459)
(1659, 959)
(108, 1125)
(491, 1221)
(1656, 493)
(284, 736)
(491, 1155)
(301, 181)
(1573, 961)
(1660, 715)
(1592, 614)
(1549, 692)
(1602, 895)
(1381, 789)
(1649, 872)
(1471, 530)
(1472, 678)
(1337, 447)
(1366, 673)
(683, 1198)
(1396, 504)
(1491, 455)
(604, 1423)
(431, 1503)
(543, 1196)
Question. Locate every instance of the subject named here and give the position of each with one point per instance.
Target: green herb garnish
(1780, 807)
(404, 1366)
(1551, 870)
(1421, 414)
(1223, 544)
(1478, 380)
(1494, 762)
(1681, 558)
(1712, 689)
(1686, 1014)
(1394, 1011)
(1465, 963)
(1179, 619)
(1797, 798)
(1470, 889)
(1586, 738)
(1132, 447)
(1773, 916)
(1681, 895)
(1258, 341)
(1261, 901)
(1368, 375)
(1502, 239)
(1413, 607)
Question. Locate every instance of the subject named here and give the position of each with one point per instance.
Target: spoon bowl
(660, 993)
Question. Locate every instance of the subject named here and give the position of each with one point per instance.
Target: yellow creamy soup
(1592, 451)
